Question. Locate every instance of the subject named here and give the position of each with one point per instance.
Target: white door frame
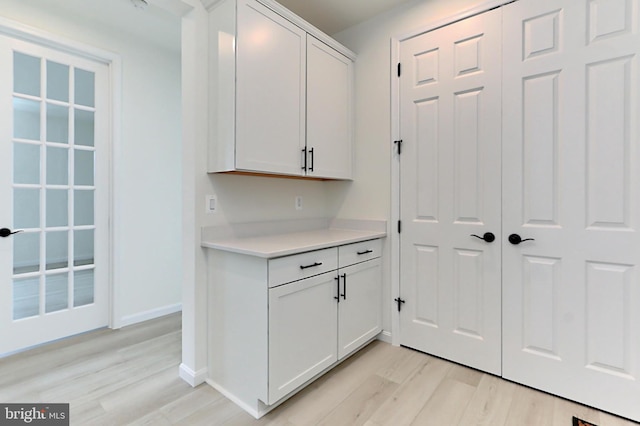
(482, 6)
(20, 31)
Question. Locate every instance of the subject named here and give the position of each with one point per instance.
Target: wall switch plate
(211, 205)
(299, 202)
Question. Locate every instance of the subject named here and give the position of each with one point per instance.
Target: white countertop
(287, 243)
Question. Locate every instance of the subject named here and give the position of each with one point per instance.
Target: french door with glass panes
(54, 187)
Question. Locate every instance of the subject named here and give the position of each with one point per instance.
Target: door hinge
(399, 144)
(399, 69)
(399, 227)
(399, 301)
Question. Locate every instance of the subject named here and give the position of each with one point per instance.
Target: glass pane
(26, 252)
(83, 207)
(57, 123)
(57, 207)
(84, 87)
(26, 119)
(84, 127)
(26, 297)
(83, 247)
(57, 166)
(57, 250)
(26, 74)
(57, 81)
(83, 171)
(83, 288)
(56, 293)
(26, 163)
(26, 208)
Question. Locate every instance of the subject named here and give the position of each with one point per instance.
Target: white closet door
(450, 173)
(571, 182)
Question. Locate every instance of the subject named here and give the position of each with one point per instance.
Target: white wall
(147, 220)
(370, 195)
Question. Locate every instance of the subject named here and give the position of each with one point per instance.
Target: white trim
(482, 7)
(178, 8)
(25, 32)
(151, 314)
(113, 61)
(394, 237)
(194, 378)
(386, 337)
(246, 407)
(296, 20)
(115, 73)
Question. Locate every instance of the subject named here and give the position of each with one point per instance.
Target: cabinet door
(360, 308)
(270, 91)
(329, 113)
(302, 332)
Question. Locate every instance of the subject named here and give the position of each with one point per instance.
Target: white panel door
(271, 91)
(329, 115)
(571, 182)
(303, 331)
(54, 186)
(450, 116)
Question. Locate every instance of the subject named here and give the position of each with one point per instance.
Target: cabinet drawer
(359, 252)
(299, 266)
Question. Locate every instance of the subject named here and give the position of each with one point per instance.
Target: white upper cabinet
(280, 94)
(270, 91)
(329, 115)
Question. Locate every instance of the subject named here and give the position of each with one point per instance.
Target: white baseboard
(246, 407)
(385, 336)
(192, 377)
(149, 315)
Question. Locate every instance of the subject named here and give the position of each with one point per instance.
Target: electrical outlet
(299, 202)
(211, 205)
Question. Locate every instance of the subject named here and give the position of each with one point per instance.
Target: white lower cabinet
(360, 307)
(303, 330)
(276, 324)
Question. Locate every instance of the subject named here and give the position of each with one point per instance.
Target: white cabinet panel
(302, 332)
(360, 307)
(329, 115)
(296, 267)
(270, 90)
(359, 252)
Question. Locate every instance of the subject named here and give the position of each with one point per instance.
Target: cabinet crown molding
(297, 20)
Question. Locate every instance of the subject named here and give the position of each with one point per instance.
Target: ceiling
(159, 26)
(332, 16)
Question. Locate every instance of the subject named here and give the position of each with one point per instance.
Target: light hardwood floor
(130, 376)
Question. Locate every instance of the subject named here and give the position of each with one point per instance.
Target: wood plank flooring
(130, 377)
